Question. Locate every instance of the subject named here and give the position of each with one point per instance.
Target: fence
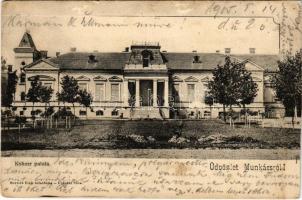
(10, 123)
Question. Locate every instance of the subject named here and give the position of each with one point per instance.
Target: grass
(122, 134)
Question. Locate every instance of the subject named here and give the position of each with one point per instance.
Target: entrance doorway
(146, 92)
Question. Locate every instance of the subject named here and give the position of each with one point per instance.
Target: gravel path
(260, 154)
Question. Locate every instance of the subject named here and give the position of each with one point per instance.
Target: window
(191, 92)
(22, 78)
(47, 85)
(175, 92)
(196, 59)
(99, 113)
(146, 58)
(21, 113)
(115, 92)
(83, 112)
(114, 113)
(23, 63)
(99, 92)
(23, 95)
(32, 113)
(83, 86)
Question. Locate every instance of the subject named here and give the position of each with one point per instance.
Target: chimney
(217, 51)
(43, 54)
(164, 51)
(73, 49)
(95, 51)
(126, 49)
(227, 50)
(194, 51)
(252, 50)
(57, 54)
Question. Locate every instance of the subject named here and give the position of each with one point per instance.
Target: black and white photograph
(151, 99)
(149, 86)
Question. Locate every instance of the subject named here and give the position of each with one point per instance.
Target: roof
(27, 41)
(184, 61)
(48, 61)
(79, 60)
(174, 61)
(267, 62)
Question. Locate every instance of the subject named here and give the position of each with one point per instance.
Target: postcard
(151, 99)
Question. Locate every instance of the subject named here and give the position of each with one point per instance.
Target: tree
(12, 80)
(85, 99)
(45, 95)
(209, 100)
(33, 94)
(4, 77)
(69, 92)
(248, 91)
(288, 83)
(232, 85)
(225, 86)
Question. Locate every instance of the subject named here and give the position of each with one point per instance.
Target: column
(154, 93)
(137, 95)
(166, 104)
(126, 93)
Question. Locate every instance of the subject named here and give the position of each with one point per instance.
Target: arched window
(99, 113)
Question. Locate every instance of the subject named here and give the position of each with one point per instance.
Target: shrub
(20, 119)
(49, 111)
(62, 113)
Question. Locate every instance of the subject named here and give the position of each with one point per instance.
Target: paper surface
(151, 178)
(202, 26)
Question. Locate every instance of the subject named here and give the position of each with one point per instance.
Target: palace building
(140, 82)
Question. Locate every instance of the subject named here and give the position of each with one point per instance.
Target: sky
(178, 27)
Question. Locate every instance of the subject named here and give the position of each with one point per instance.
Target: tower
(25, 53)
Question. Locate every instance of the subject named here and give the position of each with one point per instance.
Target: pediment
(176, 79)
(99, 78)
(250, 66)
(205, 79)
(43, 65)
(115, 79)
(191, 79)
(83, 78)
(42, 78)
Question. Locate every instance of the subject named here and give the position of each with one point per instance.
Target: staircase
(146, 113)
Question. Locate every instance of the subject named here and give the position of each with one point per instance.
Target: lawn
(157, 134)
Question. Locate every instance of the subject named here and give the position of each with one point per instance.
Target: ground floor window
(99, 113)
(114, 113)
(100, 92)
(83, 86)
(191, 92)
(21, 112)
(115, 92)
(83, 112)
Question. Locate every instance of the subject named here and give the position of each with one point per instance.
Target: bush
(62, 113)
(20, 119)
(49, 111)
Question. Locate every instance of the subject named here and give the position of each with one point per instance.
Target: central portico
(146, 79)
